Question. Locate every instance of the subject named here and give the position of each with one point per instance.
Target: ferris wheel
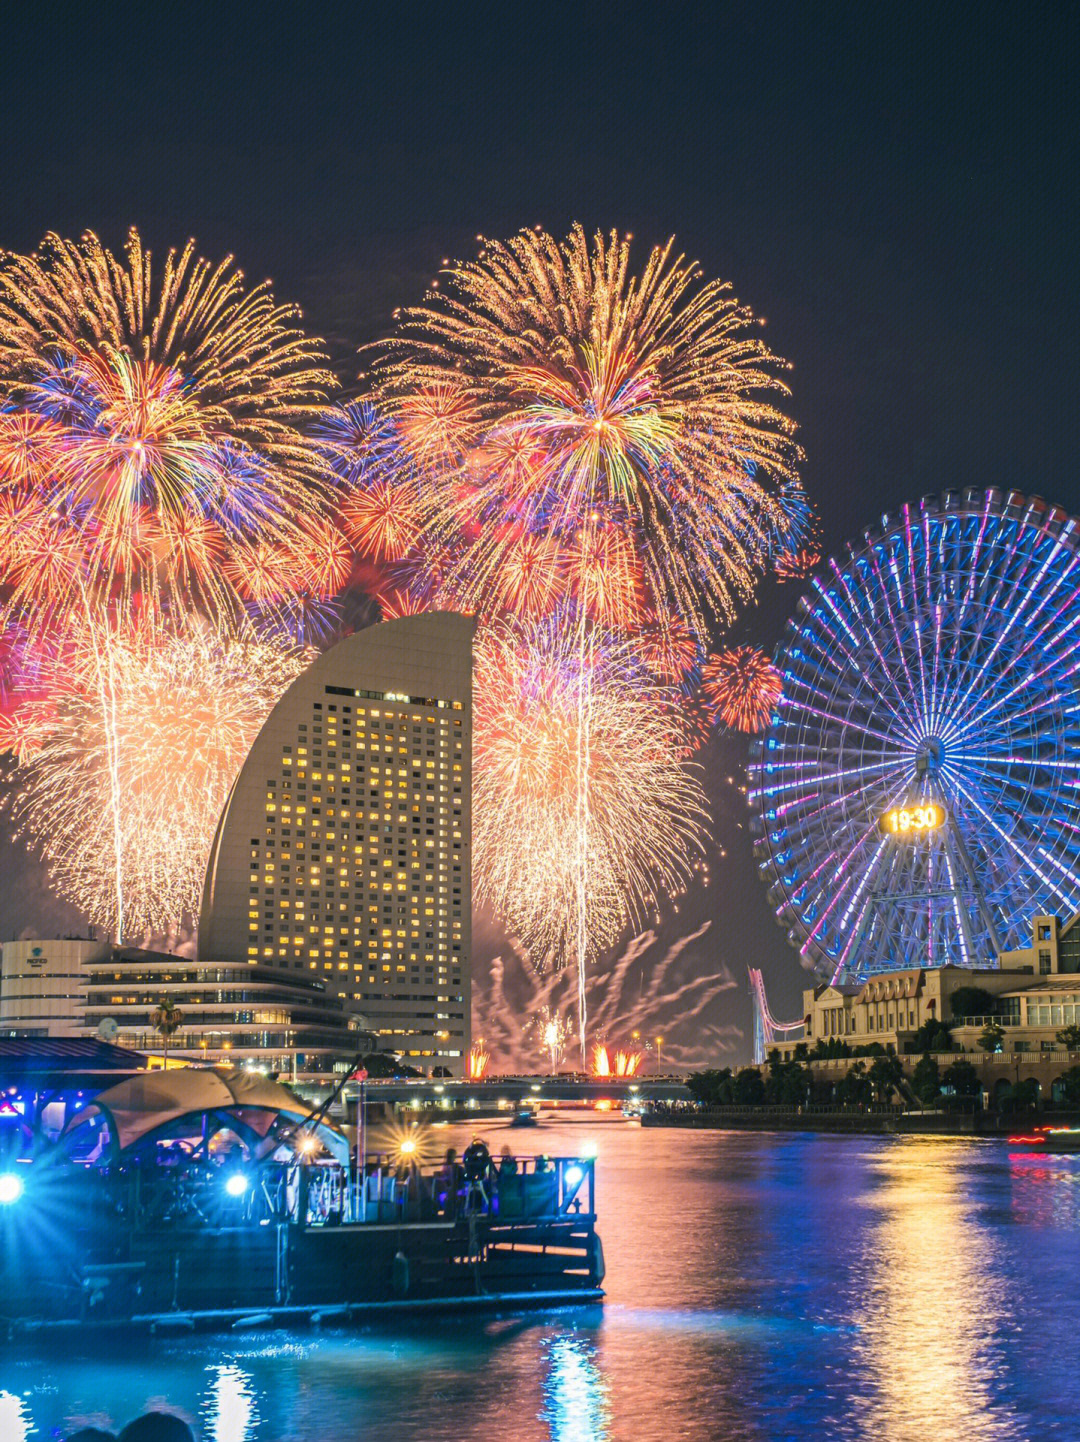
(918, 787)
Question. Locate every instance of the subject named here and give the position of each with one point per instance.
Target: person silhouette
(157, 1427)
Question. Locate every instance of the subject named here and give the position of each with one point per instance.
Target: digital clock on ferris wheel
(914, 820)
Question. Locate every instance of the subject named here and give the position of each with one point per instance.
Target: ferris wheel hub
(930, 756)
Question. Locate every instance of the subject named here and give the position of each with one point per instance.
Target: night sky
(894, 187)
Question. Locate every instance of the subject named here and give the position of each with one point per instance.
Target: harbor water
(759, 1286)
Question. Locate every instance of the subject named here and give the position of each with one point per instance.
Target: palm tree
(167, 1019)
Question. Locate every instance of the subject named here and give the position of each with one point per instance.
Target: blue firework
(939, 662)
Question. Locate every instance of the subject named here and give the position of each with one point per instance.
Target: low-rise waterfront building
(1031, 995)
(249, 1015)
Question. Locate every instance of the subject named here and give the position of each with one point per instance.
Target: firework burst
(797, 565)
(150, 427)
(127, 765)
(547, 392)
(741, 687)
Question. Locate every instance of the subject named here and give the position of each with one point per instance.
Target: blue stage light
(572, 1176)
(236, 1185)
(11, 1188)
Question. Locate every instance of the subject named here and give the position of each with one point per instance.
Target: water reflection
(15, 1420)
(576, 1406)
(1045, 1190)
(926, 1357)
(839, 1289)
(231, 1415)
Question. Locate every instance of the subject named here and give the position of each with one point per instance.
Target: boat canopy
(244, 1100)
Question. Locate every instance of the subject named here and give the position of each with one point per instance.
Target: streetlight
(659, 1044)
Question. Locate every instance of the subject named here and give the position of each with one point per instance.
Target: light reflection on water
(232, 1415)
(921, 1326)
(15, 1420)
(760, 1287)
(575, 1395)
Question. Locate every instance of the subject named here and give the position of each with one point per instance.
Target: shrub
(926, 1080)
(972, 1001)
(961, 1078)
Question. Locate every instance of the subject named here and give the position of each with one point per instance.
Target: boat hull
(229, 1275)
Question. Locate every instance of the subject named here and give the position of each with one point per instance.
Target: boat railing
(171, 1190)
(511, 1189)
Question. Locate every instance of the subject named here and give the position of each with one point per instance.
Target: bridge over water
(515, 1091)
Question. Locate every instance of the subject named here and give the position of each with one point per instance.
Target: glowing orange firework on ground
(614, 1064)
(152, 425)
(742, 687)
(478, 1061)
(634, 816)
(548, 391)
(180, 712)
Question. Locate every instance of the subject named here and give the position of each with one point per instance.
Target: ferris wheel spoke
(885, 588)
(870, 638)
(862, 727)
(1070, 898)
(812, 781)
(863, 838)
(1019, 618)
(845, 642)
(927, 700)
(1063, 666)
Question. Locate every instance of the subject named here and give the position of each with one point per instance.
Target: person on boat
(448, 1183)
(409, 1187)
(478, 1170)
(505, 1177)
(507, 1162)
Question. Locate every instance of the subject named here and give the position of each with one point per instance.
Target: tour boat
(211, 1197)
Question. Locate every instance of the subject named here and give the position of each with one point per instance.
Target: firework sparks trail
(741, 687)
(583, 778)
(620, 1001)
(132, 758)
(642, 829)
(552, 1031)
(477, 1061)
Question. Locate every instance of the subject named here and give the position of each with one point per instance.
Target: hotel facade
(344, 850)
